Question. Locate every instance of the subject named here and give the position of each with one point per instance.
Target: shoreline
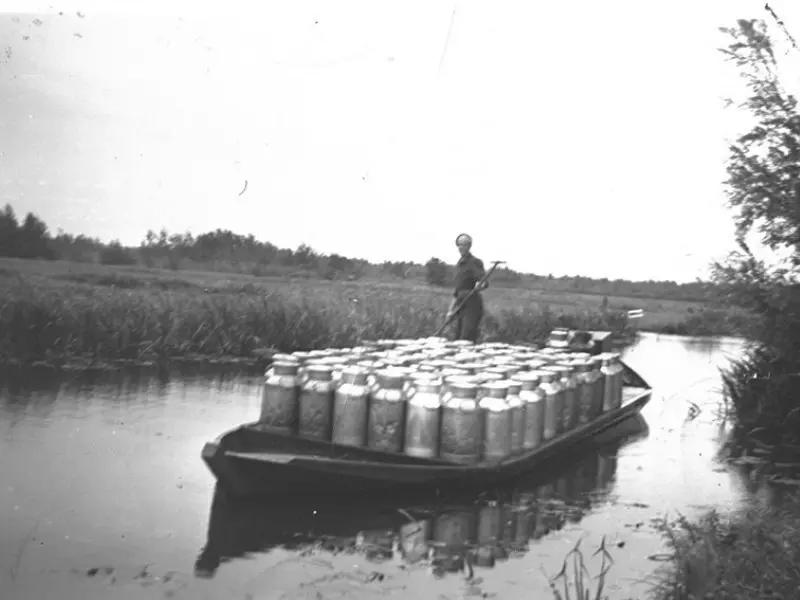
(259, 362)
(260, 359)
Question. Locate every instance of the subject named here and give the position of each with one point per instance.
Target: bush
(115, 254)
(436, 272)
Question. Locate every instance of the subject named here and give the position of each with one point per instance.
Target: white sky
(575, 137)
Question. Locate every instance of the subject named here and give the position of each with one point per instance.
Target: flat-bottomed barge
(424, 414)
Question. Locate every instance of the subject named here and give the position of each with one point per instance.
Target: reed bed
(40, 321)
(755, 554)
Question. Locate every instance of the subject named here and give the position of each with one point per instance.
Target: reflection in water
(471, 530)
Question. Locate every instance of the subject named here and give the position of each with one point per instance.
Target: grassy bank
(752, 555)
(56, 314)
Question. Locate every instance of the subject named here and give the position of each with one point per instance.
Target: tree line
(224, 250)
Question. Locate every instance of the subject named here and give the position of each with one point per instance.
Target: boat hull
(250, 462)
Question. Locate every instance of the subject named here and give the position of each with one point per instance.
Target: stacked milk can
(432, 398)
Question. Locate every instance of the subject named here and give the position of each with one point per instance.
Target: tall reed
(41, 322)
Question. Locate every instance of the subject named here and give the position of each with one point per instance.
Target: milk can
(562, 379)
(535, 365)
(618, 382)
(610, 383)
(517, 416)
(570, 384)
(533, 409)
(485, 377)
(451, 372)
(460, 439)
(496, 370)
(585, 388)
(387, 412)
(281, 358)
(554, 402)
(423, 418)
(317, 397)
(351, 408)
(496, 416)
(300, 355)
(598, 397)
(279, 399)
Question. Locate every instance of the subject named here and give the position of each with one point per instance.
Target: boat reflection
(495, 526)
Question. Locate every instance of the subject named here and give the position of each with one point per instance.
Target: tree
(32, 239)
(763, 188)
(115, 254)
(764, 163)
(8, 231)
(763, 184)
(436, 272)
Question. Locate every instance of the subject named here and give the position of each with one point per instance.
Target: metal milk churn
(585, 379)
(316, 403)
(533, 409)
(618, 382)
(570, 385)
(387, 412)
(609, 383)
(279, 399)
(281, 358)
(554, 401)
(517, 416)
(590, 379)
(496, 416)
(423, 417)
(460, 438)
(486, 377)
(351, 408)
(599, 386)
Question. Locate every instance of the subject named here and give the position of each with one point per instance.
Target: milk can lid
(285, 368)
(320, 372)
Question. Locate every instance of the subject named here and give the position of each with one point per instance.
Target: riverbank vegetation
(222, 295)
(100, 315)
(756, 554)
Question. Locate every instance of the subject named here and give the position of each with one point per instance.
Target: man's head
(464, 243)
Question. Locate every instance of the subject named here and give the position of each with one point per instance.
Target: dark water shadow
(444, 529)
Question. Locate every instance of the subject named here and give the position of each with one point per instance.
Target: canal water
(103, 495)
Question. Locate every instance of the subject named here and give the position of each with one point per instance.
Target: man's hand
(481, 285)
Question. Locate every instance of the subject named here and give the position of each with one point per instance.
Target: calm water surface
(103, 495)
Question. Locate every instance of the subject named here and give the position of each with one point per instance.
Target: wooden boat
(251, 461)
(238, 529)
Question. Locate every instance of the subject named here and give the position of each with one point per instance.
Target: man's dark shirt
(469, 270)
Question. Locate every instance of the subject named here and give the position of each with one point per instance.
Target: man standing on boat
(469, 272)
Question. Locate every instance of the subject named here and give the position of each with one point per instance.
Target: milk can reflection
(447, 537)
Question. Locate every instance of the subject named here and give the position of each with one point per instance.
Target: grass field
(52, 310)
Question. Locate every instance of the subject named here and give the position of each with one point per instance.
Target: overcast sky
(577, 137)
